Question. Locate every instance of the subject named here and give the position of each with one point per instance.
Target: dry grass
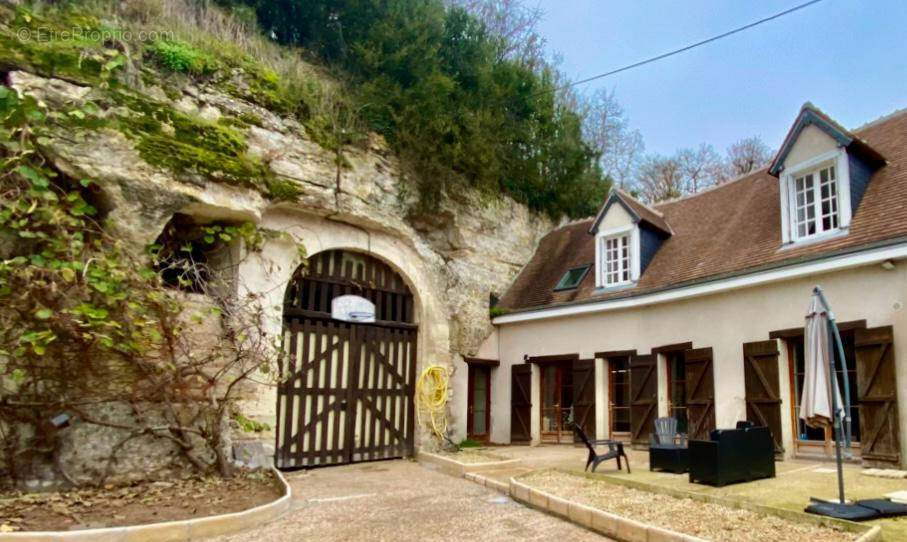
(705, 520)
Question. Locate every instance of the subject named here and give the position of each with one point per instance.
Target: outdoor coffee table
(671, 459)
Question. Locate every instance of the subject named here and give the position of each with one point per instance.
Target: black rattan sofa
(733, 455)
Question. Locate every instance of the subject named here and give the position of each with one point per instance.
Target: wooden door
(520, 403)
(382, 422)
(762, 387)
(643, 397)
(479, 401)
(877, 383)
(346, 391)
(700, 393)
(584, 396)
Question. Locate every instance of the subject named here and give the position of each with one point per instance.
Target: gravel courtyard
(400, 500)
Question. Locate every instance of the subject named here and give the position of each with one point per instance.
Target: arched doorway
(346, 392)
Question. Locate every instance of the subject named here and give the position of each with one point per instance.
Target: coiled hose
(431, 399)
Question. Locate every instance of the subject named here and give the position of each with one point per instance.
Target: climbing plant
(86, 320)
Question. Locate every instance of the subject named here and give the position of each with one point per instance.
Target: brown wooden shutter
(643, 397)
(700, 393)
(584, 397)
(763, 392)
(877, 391)
(520, 402)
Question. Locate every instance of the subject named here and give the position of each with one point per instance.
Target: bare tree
(746, 156)
(699, 167)
(514, 22)
(659, 178)
(606, 129)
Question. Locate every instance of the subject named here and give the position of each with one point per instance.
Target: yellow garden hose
(431, 399)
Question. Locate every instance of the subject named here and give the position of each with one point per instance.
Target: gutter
(846, 259)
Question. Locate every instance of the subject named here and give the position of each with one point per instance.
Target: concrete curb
(606, 523)
(169, 531)
(456, 468)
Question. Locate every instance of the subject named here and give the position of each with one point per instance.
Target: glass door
(619, 397)
(677, 388)
(479, 402)
(820, 440)
(557, 402)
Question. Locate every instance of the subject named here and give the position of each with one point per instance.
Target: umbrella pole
(839, 346)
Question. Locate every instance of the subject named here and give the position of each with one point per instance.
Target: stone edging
(171, 531)
(456, 468)
(606, 523)
(490, 483)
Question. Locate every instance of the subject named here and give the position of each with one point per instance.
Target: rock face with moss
(170, 130)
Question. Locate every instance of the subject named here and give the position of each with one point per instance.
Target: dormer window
(823, 171)
(816, 197)
(627, 236)
(617, 256)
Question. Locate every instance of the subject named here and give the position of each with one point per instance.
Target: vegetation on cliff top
(433, 80)
(440, 86)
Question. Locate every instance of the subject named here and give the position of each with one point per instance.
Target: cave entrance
(347, 378)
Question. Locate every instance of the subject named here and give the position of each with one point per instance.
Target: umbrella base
(857, 511)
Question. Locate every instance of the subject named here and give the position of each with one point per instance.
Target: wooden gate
(877, 383)
(700, 393)
(762, 387)
(643, 397)
(520, 402)
(346, 391)
(584, 397)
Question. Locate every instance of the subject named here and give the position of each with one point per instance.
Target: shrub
(182, 58)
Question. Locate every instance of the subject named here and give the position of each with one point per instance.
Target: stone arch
(267, 273)
(347, 386)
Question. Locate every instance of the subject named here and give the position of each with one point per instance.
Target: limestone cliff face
(469, 249)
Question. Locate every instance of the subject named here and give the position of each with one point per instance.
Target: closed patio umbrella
(816, 402)
(821, 404)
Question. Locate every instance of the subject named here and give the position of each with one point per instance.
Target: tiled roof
(732, 228)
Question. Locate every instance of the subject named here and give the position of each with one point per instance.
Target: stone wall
(453, 259)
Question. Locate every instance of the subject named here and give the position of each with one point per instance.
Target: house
(694, 308)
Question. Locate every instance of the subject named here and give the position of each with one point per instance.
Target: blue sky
(848, 57)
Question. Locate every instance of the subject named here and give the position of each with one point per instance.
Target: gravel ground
(705, 520)
(401, 501)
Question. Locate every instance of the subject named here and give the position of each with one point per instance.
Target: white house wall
(723, 321)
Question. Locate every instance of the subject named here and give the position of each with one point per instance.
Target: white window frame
(788, 194)
(601, 265)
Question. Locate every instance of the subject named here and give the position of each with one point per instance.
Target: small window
(617, 260)
(572, 278)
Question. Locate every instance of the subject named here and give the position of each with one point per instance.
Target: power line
(691, 46)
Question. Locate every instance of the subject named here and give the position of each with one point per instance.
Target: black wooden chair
(615, 451)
